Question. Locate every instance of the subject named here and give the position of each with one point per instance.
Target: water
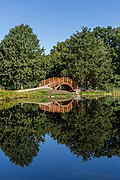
(81, 141)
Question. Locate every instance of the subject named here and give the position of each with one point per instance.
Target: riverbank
(47, 93)
(115, 92)
(95, 93)
(38, 94)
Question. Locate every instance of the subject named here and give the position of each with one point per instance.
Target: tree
(117, 49)
(85, 59)
(18, 52)
(57, 56)
(111, 38)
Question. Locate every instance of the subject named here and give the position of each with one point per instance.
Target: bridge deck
(56, 82)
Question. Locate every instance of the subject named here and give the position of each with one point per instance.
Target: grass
(55, 94)
(95, 93)
(7, 104)
(63, 95)
(34, 95)
(9, 98)
(10, 95)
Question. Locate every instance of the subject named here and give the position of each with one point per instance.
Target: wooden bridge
(57, 82)
(57, 107)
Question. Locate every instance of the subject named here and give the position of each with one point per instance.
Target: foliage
(85, 59)
(20, 59)
(111, 38)
(90, 57)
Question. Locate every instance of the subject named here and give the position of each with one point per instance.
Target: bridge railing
(55, 81)
(55, 107)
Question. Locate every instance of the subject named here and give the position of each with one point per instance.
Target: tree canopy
(84, 58)
(90, 57)
(20, 58)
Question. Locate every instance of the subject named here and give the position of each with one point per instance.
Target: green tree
(111, 38)
(85, 59)
(117, 48)
(18, 52)
(58, 60)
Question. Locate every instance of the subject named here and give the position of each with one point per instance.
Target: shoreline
(8, 95)
(46, 93)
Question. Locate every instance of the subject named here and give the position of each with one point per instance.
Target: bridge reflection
(60, 107)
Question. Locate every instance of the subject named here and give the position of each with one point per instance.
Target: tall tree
(85, 59)
(117, 49)
(18, 51)
(111, 38)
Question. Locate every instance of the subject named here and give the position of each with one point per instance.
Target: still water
(61, 140)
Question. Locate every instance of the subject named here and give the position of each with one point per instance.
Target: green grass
(95, 93)
(63, 95)
(10, 95)
(34, 95)
(9, 98)
(5, 104)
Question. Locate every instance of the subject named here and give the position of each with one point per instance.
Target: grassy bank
(114, 92)
(35, 95)
(95, 93)
(9, 95)
(54, 94)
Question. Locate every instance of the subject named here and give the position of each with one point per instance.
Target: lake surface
(69, 140)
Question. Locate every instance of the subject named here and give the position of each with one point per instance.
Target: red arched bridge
(57, 82)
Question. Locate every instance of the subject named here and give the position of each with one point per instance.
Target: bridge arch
(56, 82)
(64, 86)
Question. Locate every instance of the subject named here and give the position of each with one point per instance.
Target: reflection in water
(90, 129)
(60, 107)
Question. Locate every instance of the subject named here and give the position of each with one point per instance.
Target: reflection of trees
(91, 129)
(20, 133)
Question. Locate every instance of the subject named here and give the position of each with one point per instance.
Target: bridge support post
(78, 94)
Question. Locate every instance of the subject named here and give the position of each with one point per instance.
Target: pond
(69, 140)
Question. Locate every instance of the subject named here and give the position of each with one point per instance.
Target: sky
(57, 20)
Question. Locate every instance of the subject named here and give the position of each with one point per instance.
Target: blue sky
(56, 20)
